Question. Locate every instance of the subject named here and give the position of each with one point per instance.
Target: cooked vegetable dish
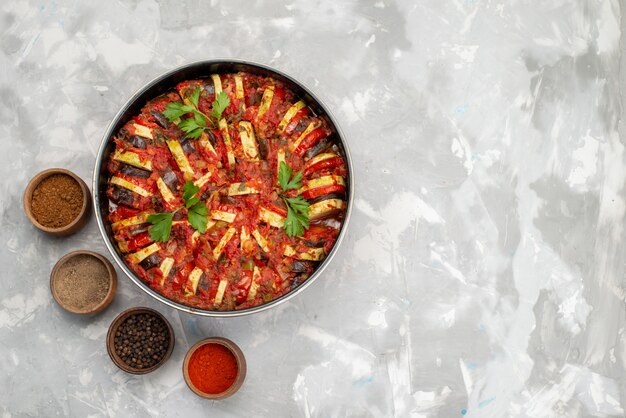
(226, 192)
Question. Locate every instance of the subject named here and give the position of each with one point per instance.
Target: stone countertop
(483, 271)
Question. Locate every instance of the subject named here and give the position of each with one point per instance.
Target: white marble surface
(483, 272)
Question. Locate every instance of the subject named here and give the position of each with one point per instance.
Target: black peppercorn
(142, 340)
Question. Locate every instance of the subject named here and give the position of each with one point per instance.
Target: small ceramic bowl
(73, 226)
(111, 340)
(241, 367)
(112, 282)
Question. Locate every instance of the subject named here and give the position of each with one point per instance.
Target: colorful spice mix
(57, 201)
(212, 368)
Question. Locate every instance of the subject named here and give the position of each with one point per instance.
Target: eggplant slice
(133, 171)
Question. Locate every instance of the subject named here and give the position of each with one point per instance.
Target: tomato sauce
(245, 258)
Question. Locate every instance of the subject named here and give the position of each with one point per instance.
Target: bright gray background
(483, 271)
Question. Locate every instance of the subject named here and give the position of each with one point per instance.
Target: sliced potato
(239, 91)
(204, 179)
(217, 83)
(141, 130)
(320, 157)
(138, 256)
(325, 207)
(220, 292)
(206, 143)
(166, 267)
(132, 158)
(271, 218)
(312, 126)
(135, 220)
(227, 141)
(237, 189)
(291, 112)
(181, 159)
(261, 240)
(254, 286)
(266, 101)
(244, 237)
(280, 158)
(248, 141)
(330, 180)
(223, 241)
(312, 254)
(165, 191)
(221, 215)
(130, 186)
(192, 281)
(195, 237)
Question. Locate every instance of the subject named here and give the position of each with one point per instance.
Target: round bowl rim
(189, 309)
(108, 299)
(73, 226)
(235, 350)
(115, 324)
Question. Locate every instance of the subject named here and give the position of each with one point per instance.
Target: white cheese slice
(181, 159)
(291, 112)
(140, 255)
(248, 141)
(130, 186)
(133, 159)
(223, 241)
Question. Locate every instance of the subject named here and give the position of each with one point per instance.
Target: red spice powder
(212, 368)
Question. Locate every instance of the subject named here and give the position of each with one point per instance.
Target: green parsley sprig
(199, 122)
(297, 208)
(196, 215)
(161, 225)
(196, 210)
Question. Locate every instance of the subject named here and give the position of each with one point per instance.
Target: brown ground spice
(57, 201)
(82, 282)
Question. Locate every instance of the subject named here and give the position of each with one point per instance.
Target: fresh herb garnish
(297, 208)
(196, 215)
(285, 179)
(220, 104)
(297, 215)
(199, 122)
(196, 210)
(161, 226)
